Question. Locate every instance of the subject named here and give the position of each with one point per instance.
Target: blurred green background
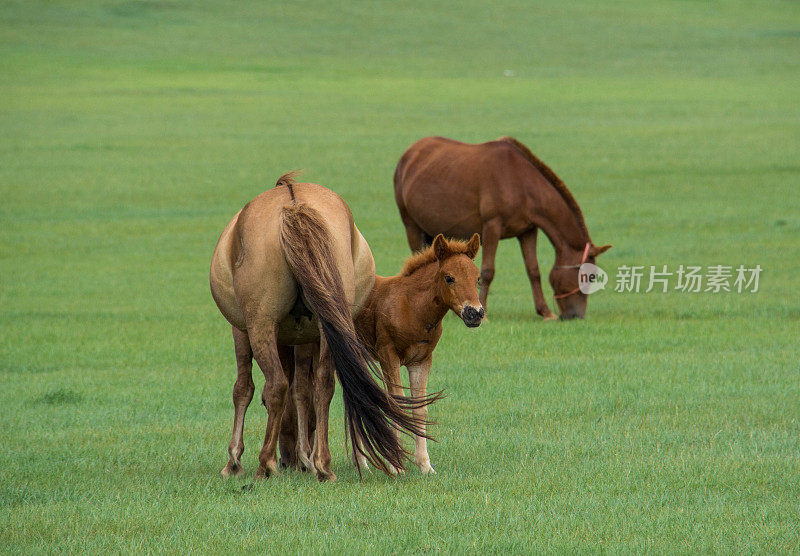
(130, 132)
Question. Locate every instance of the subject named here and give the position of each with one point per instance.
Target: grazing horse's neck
(562, 226)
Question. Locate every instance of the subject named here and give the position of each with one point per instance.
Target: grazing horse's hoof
(231, 470)
(549, 316)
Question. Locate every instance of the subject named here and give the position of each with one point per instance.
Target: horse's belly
(437, 212)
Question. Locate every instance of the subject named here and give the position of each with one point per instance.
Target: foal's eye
(449, 279)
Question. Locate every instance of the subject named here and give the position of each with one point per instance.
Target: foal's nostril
(482, 312)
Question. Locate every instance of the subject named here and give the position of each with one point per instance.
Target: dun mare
(401, 323)
(499, 189)
(292, 268)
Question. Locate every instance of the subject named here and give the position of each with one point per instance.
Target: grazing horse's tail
(371, 413)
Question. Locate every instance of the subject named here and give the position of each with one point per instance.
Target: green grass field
(131, 131)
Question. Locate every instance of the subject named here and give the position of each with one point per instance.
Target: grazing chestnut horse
(401, 323)
(499, 189)
(292, 268)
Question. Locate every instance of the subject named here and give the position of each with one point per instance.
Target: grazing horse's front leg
(418, 376)
(242, 395)
(276, 388)
(527, 243)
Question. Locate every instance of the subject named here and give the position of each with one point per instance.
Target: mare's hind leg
(302, 399)
(242, 395)
(527, 243)
(276, 388)
(323, 393)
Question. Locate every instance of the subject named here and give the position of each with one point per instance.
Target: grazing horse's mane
(551, 177)
(427, 256)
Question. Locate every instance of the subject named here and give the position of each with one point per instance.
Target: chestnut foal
(401, 323)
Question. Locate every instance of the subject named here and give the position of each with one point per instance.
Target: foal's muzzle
(471, 316)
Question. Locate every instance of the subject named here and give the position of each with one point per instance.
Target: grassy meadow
(130, 132)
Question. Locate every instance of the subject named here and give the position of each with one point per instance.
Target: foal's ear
(440, 248)
(594, 251)
(473, 246)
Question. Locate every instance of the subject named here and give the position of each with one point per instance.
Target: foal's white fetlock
(425, 467)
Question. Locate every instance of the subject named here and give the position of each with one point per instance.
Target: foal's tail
(371, 414)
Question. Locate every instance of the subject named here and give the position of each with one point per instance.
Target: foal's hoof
(427, 469)
(231, 470)
(325, 476)
(395, 471)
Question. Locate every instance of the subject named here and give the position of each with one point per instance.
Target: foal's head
(457, 277)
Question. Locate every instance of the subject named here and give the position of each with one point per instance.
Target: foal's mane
(551, 177)
(427, 256)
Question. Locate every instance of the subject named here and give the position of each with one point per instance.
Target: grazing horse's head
(566, 288)
(457, 277)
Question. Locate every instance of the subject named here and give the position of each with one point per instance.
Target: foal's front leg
(418, 376)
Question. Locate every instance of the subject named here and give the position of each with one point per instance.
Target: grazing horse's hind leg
(242, 395)
(490, 237)
(417, 238)
(276, 388)
(527, 243)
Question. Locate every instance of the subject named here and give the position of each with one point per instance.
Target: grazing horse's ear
(473, 246)
(440, 247)
(594, 251)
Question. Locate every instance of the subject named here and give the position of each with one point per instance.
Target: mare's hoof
(549, 316)
(231, 470)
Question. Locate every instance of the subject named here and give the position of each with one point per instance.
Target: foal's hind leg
(302, 390)
(324, 384)
(287, 439)
(273, 397)
(242, 395)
